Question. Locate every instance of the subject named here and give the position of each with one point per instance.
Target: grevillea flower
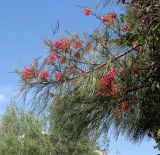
(88, 47)
(111, 74)
(58, 75)
(112, 16)
(52, 57)
(109, 17)
(66, 43)
(108, 84)
(27, 73)
(113, 89)
(125, 106)
(44, 75)
(58, 44)
(71, 69)
(126, 27)
(77, 43)
(105, 19)
(117, 112)
(87, 11)
(107, 79)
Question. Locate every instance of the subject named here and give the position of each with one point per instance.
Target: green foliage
(21, 134)
(63, 138)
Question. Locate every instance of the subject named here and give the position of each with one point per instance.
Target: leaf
(158, 85)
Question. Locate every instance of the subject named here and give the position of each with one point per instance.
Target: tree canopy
(107, 79)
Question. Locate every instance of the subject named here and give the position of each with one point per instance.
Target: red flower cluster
(51, 58)
(88, 47)
(108, 84)
(29, 72)
(63, 44)
(109, 17)
(76, 43)
(58, 75)
(109, 77)
(66, 44)
(126, 27)
(87, 11)
(44, 75)
(124, 108)
(71, 69)
(58, 44)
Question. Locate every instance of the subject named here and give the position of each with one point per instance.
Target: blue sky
(24, 26)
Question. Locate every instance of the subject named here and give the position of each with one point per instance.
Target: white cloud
(2, 97)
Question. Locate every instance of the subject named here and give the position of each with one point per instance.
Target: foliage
(22, 133)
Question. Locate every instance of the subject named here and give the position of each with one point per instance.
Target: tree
(21, 134)
(110, 78)
(63, 139)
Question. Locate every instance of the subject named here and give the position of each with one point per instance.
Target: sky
(23, 27)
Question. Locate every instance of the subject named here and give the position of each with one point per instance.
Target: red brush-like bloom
(112, 16)
(109, 77)
(52, 57)
(58, 44)
(58, 75)
(87, 11)
(67, 44)
(44, 75)
(125, 106)
(105, 18)
(114, 89)
(71, 69)
(27, 73)
(77, 43)
(117, 112)
(88, 47)
(126, 27)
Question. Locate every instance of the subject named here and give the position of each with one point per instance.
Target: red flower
(125, 106)
(77, 43)
(126, 27)
(71, 69)
(112, 16)
(58, 75)
(87, 11)
(114, 89)
(44, 75)
(58, 44)
(88, 47)
(67, 44)
(52, 57)
(117, 112)
(111, 74)
(105, 18)
(27, 73)
(106, 79)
